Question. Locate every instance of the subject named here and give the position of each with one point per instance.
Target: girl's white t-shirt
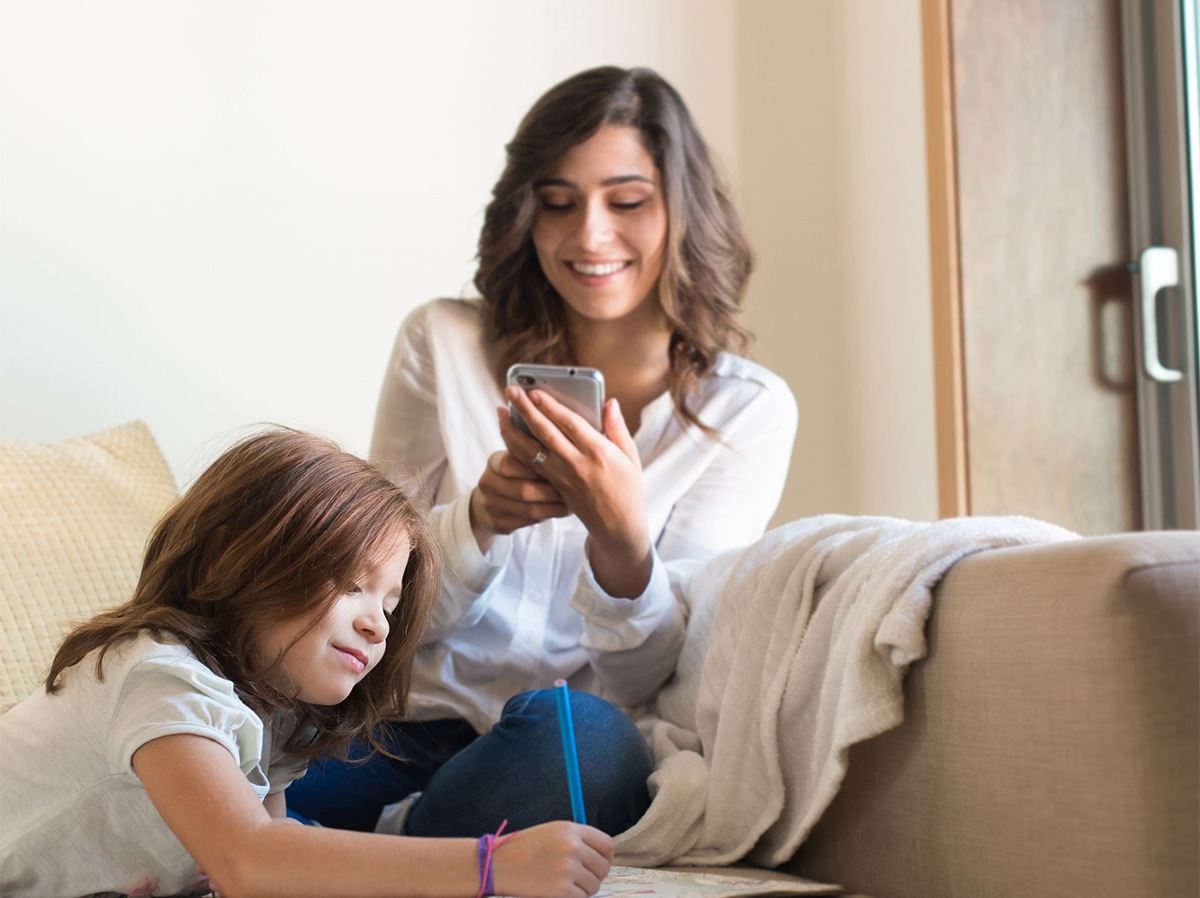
(74, 817)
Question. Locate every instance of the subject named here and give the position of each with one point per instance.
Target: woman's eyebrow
(608, 182)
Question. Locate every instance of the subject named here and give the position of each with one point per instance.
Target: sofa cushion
(74, 519)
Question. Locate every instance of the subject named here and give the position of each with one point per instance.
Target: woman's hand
(553, 860)
(511, 495)
(598, 477)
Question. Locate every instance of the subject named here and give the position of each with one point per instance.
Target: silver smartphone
(579, 389)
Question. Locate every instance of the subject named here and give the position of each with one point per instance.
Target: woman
(609, 243)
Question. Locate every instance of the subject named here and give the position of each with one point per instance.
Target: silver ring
(539, 458)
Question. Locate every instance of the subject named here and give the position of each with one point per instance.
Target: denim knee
(614, 760)
(516, 772)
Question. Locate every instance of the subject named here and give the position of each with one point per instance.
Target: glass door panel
(1159, 39)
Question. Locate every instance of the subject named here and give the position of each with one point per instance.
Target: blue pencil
(567, 728)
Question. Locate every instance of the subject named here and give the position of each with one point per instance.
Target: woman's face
(601, 227)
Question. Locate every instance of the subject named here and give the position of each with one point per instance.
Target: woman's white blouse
(530, 611)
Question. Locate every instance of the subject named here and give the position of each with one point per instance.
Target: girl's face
(331, 658)
(601, 227)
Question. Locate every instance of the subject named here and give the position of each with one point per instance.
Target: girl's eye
(354, 589)
(630, 206)
(550, 206)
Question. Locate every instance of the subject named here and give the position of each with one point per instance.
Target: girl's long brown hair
(707, 259)
(277, 529)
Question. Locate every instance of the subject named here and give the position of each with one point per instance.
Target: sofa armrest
(1050, 742)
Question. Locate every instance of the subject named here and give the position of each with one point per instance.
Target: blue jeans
(471, 783)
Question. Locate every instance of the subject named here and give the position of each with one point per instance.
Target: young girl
(255, 641)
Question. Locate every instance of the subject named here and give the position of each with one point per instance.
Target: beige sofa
(1050, 742)
(1050, 739)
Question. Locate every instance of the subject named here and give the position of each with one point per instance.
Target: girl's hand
(553, 860)
(598, 476)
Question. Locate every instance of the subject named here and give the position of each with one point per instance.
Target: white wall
(831, 131)
(213, 215)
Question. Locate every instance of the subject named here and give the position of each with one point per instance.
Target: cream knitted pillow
(74, 520)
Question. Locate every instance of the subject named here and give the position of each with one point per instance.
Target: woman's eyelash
(565, 207)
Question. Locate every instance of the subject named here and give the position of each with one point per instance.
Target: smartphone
(579, 389)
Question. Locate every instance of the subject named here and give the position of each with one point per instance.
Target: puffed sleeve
(165, 696)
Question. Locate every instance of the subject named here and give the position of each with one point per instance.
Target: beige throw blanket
(795, 651)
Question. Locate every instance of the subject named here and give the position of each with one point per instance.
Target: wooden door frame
(945, 285)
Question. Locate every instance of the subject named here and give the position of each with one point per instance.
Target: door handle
(1158, 269)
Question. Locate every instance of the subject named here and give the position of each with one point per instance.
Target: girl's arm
(204, 798)
(276, 805)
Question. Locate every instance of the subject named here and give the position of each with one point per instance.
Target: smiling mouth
(357, 659)
(599, 269)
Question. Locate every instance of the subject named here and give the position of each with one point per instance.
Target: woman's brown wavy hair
(707, 257)
(277, 529)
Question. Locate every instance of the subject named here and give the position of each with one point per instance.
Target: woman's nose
(595, 225)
